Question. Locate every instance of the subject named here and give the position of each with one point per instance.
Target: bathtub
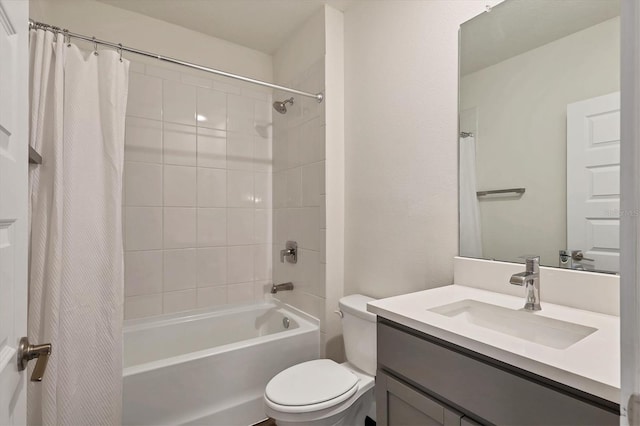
(211, 366)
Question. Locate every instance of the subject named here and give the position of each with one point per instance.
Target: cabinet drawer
(498, 396)
(401, 405)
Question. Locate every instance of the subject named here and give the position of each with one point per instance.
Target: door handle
(27, 352)
(579, 256)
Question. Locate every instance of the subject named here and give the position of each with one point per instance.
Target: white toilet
(323, 392)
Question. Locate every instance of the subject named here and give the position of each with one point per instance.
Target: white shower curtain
(470, 232)
(78, 103)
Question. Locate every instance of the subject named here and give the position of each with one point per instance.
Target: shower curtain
(470, 233)
(78, 103)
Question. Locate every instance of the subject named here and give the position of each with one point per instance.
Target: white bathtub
(210, 367)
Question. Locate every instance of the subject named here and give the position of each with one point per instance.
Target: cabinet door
(466, 421)
(399, 404)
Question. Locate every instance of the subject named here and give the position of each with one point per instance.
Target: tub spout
(281, 287)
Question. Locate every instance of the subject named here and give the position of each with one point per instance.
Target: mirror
(539, 145)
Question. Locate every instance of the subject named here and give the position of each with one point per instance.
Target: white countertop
(591, 365)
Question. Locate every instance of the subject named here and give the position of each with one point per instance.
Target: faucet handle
(532, 262)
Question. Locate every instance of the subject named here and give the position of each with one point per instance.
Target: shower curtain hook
(120, 50)
(67, 37)
(95, 46)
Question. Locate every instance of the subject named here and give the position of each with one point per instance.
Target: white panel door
(593, 180)
(14, 71)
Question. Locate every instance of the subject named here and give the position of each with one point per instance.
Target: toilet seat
(311, 386)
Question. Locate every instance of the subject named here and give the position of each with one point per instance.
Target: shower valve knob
(27, 352)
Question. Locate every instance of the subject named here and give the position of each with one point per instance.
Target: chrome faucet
(530, 278)
(281, 287)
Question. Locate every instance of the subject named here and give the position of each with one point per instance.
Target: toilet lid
(311, 382)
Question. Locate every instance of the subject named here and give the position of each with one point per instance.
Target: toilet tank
(359, 330)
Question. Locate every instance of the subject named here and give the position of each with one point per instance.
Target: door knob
(27, 352)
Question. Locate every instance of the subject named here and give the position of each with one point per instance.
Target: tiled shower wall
(197, 192)
(299, 195)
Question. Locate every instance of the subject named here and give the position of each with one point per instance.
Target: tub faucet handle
(290, 252)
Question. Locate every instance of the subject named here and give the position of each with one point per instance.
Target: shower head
(281, 106)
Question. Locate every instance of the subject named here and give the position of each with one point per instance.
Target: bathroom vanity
(423, 380)
(459, 355)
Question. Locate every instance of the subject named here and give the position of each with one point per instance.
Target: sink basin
(517, 323)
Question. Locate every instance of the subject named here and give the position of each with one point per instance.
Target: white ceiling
(258, 24)
(517, 26)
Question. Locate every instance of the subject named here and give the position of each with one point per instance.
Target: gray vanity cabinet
(422, 380)
(400, 404)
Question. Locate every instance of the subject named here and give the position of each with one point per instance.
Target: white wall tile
(262, 290)
(196, 81)
(310, 229)
(255, 92)
(179, 227)
(142, 272)
(240, 227)
(312, 146)
(311, 185)
(262, 262)
(145, 97)
(212, 227)
(239, 114)
(179, 103)
(198, 219)
(177, 301)
(240, 293)
(294, 112)
(211, 296)
(279, 198)
(239, 264)
(212, 148)
(142, 306)
(179, 186)
(212, 266)
(239, 151)
(262, 118)
(263, 225)
(212, 187)
(293, 147)
(143, 184)
(143, 228)
(280, 154)
(179, 269)
(281, 224)
(294, 187)
(179, 146)
(212, 109)
(262, 190)
(308, 273)
(262, 155)
(225, 86)
(163, 73)
(239, 189)
(143, 140)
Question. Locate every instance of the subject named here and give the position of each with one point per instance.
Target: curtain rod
(35, 25)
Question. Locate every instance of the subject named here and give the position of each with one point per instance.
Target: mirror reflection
(539, 146)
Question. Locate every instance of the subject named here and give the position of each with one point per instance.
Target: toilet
(324, 393)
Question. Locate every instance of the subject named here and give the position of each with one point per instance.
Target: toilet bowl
(323, 392)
